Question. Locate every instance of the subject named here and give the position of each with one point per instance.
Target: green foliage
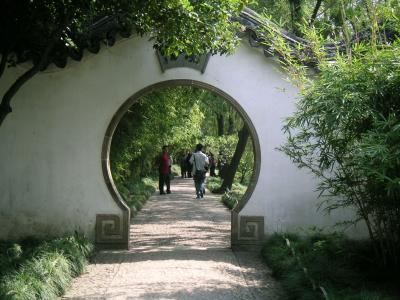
(346, 127)
(287, 13)
(41, 270)
(341, 266)
(346, 131)
(191, 27)
(136, 193)
(50, 31)
(332, 19)
(246, 165)
(179, 117)
(230, 198)
(224, 144)
(167, 117)
(213, 183)
(175, 170)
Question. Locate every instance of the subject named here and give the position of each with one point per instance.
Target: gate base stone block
(111, 231)
(247, 232)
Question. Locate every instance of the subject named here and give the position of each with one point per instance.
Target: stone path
(179, 250)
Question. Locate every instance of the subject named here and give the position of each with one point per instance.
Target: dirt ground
(180, 249)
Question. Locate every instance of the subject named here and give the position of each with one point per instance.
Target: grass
(213, 183)
(136, 193)
(344, 268)
(34, 269)
(176, 170)
(230, 198)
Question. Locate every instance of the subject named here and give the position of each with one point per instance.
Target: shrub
(343, 267)
(213, 183)
(230, 198)
(346, 131)
(136, 193)
(42, 270)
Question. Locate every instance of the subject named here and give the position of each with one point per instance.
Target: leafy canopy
(346, 125)
(192, 27)
(51, 31)
(180, 117)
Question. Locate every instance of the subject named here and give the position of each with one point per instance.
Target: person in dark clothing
(164, 170)
(183, 166)
(222, 166)
(212, 165)
(189, 165)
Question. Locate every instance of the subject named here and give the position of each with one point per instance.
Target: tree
(177, 116)
(346, 126)
(50, 31)
(234, 163)
(346, 131)
(333, 19)
(169, 116)
(315, 12)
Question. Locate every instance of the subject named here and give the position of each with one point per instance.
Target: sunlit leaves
(346, 130)
(179, 117)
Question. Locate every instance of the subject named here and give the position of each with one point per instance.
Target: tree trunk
(296, 15)
(234, 164)
(231, 125)
(220, 124)
(315, 12)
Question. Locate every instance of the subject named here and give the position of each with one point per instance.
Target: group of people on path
(187, 167)
(198, 164)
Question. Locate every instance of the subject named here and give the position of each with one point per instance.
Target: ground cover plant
(137, 192)
(33, 269)
(344, 268)
(231, 197)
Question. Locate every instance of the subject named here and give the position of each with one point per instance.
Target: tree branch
(315, 12)
(5, 107)
(243, 134)
(3, 62)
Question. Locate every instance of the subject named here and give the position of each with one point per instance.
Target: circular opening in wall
(180, 114)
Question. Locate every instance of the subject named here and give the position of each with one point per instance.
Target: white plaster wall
(50, 153)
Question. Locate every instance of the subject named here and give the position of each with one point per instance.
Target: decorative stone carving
(247, 230)
(183, 61)
(251, 228)
(111, 231)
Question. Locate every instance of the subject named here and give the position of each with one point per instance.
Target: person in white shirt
(200, 163)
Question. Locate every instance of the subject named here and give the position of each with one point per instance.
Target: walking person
(189, 165)
(164, 169)
(212, 165)
(183, 166)
(200, 165)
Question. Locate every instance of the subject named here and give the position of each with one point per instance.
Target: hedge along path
(179, 250)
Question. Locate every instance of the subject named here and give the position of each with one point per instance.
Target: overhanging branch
(5, 107)
(3, 62)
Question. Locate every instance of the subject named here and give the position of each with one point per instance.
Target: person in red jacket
(164, 170)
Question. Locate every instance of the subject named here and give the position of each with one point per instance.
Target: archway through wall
(106, 150)
(54, 175)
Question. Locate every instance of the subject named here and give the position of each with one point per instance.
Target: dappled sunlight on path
(178, 219)
(179, 250)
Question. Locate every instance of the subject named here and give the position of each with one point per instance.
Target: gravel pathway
(179, 250)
